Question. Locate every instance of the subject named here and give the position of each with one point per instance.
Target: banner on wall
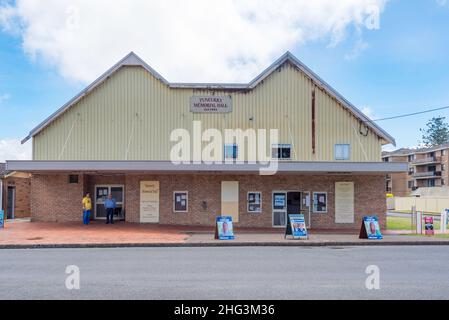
(2, 219)
(370, 229)
(149, 201)
(224, 229)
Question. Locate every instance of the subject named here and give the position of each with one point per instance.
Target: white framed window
(320, 202)
(281, 151)
(342, 151)
(230, 151)
(254, 201)
(180, 201)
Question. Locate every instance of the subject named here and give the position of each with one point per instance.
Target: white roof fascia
(169, 167)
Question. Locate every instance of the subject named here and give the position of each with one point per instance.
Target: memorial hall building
(121, 136)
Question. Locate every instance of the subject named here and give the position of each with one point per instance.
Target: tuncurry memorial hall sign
(210, 104)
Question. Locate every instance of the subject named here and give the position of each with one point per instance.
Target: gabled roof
(133, 59)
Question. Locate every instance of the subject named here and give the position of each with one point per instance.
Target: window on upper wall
(254, 202)
(410, 184)
(281, 151)
(443, 152)
(443, 182)
(73, 178)
(411, 158)
(342, 151)
(230, 151)
(320, 202)
(443, 167)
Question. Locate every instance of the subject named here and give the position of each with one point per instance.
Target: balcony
(428, 160)
(427, 175)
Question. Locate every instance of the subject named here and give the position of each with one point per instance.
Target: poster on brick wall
(149, 201)
(344, 202)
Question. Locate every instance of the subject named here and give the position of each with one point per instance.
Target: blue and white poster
(2, 219)
(224, 228)
(279, 200)
(372, 228)
(298, 225)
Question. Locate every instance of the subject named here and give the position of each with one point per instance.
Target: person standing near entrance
(87, 208)
(110, 205)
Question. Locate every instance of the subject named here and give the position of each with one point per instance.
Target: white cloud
(369, 112)
(12, 149)
(195, 40)
(357, 50)
(442, 3)
(4, 97)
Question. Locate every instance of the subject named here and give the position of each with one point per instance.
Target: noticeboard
(370, 229)
(224, 229)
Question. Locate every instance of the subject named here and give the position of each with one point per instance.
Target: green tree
(436, 132)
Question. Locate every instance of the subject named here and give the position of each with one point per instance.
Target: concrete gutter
(293, 243)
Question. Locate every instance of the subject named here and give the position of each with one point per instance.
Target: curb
(224, 244)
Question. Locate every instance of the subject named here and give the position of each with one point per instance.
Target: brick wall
(54, 199)
(369, 197)
(22, 196)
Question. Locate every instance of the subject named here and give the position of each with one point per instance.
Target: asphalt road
(420, 272)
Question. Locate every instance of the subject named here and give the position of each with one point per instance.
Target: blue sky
(401, 67)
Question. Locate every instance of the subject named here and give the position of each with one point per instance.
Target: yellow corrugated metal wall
(134, 109)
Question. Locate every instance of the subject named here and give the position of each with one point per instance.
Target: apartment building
(427, 168)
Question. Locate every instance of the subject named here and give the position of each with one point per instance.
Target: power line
(408, 114)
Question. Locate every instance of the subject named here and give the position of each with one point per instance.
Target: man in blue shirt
(110, 205)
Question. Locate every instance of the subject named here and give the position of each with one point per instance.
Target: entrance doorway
(101, 193)
(11, 202)
(290, 202)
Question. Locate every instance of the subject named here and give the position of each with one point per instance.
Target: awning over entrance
(226, 168)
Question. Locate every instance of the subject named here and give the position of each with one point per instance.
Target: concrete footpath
(25, 234)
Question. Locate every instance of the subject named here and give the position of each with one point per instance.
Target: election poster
(224, 229)
(428, 226)
(370, 229)
(298, 226)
